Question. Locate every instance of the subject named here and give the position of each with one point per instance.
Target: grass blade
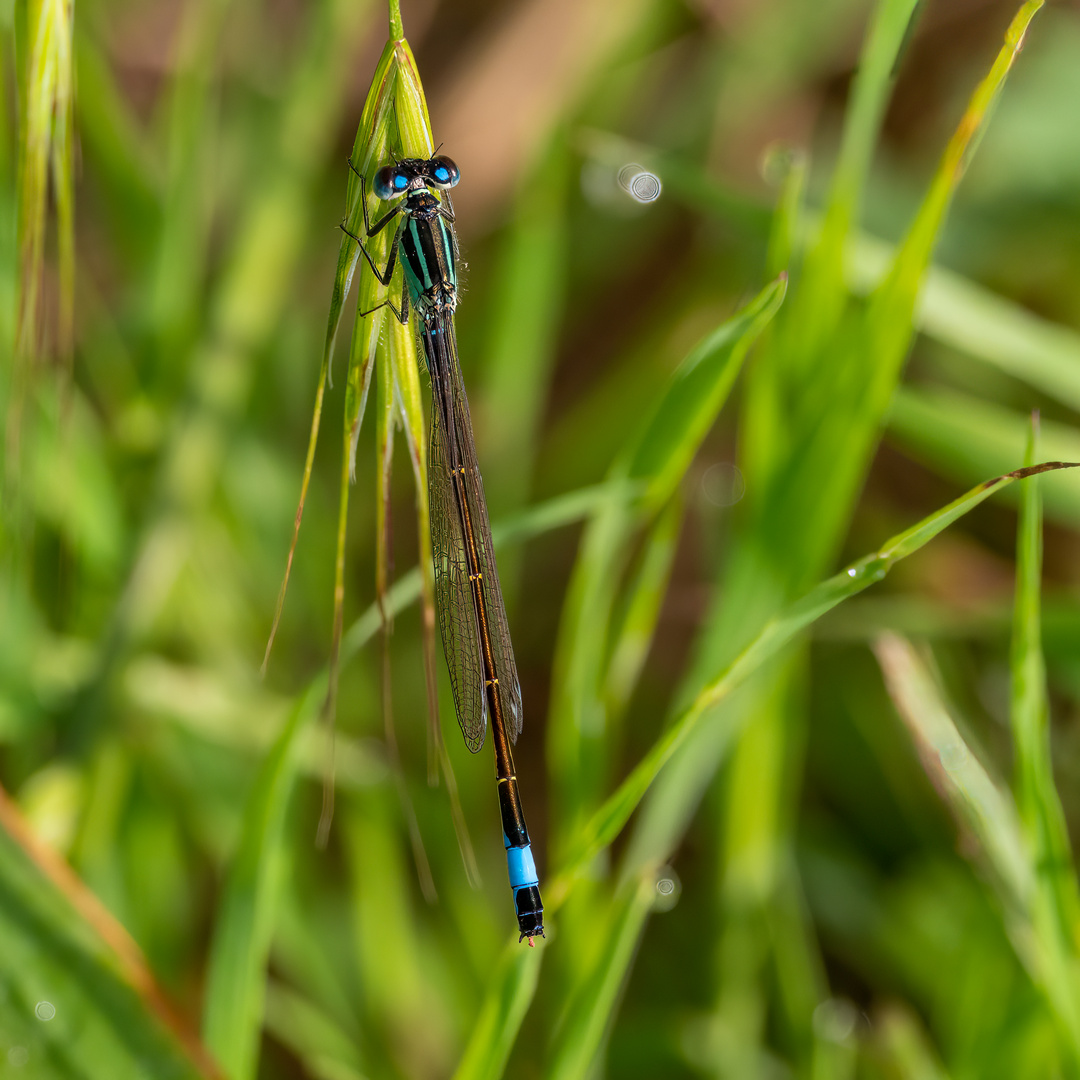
(395, 104)
(818, 306)
(662, 451)
(980, 803)
(988, 812)
(376, 107)
(963, 437)
(510, 992)
(656, 458)
(43, 48)
(1055, 902)
(66, 961)
(645, 594)
(609, 820)
(893, 304)
(236, 983)
(588, 1014)
(969, 317)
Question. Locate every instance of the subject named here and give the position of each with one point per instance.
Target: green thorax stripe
(427, 251)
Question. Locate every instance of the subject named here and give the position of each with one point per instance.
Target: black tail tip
(530, 912)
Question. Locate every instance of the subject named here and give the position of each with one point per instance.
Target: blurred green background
(814, 887)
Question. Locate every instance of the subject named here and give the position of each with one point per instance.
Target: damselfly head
(413, 174)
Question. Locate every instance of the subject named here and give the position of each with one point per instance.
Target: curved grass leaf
(77, 998)
(963, 437)
(656, 458)
(394, 118)
(644, 596)
(971, 318)
(587, 1015)
(608, 821)
(374, 118)
(662, 450)
(828, 410)
(893, 304)
(816, 308)
(236, 983)
(1055, 901)
(986, 810)
(509, 994)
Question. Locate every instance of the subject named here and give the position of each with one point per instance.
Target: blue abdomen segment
(522, 868)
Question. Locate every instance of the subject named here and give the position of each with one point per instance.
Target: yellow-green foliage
(769, 790)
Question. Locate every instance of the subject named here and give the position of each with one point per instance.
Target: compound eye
(390, 182)
(443, 172)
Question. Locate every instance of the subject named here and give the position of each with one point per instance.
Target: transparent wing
(453, 591)
(501, 645)
(459, 452)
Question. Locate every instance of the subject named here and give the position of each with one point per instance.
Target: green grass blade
(644, 595)
(964, 437)
(510, 992)
(907, 1046)
(656, 458)
(386, 416)
(373, 119)
(8, 202)
(610, 818)
(530, 295)
(43, 47)
(979, 801)
(988, 812)
(233, 1009)
(411, 406)
(1030, 710)
(36, 31)
(402, 125)
(664, 448)
(1055, 903)
(821, 480)
(765, 433)
(589, 1011)
(376, 110)
(969, 317)
(817, 307)
(77, 993)
(889, 318)
(63, 178)
(327, 1050)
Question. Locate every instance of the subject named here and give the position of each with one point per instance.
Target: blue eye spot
(442, 174)
(400, 181)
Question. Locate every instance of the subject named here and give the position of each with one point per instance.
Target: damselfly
(472, 618)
